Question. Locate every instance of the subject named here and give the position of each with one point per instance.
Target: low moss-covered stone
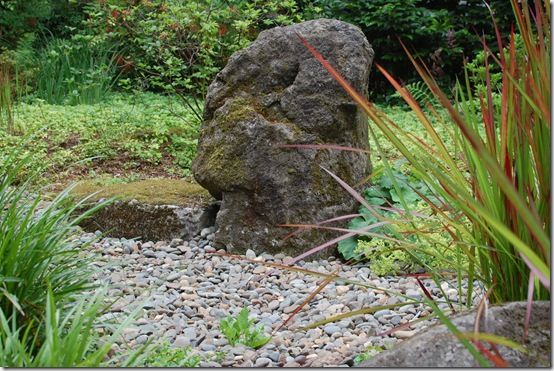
(153, 209)
(151, 191)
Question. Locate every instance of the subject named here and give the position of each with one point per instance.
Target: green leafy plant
(241, 330)
(179, 46)
(142, 133)
(370, 352)
(75, 71)
(167, 356)
(386, 195)
(419, 91)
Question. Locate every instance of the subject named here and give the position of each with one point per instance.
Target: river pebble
(186, 290)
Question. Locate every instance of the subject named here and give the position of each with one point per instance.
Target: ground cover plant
(166, 356)
(242, 330)
(127, 135)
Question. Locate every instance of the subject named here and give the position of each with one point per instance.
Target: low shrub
(179, 46)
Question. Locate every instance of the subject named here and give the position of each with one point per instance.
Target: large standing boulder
(275, 92)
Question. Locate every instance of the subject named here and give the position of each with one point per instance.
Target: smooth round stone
(381, 312)
(332, 329)
(173, 276)
(262, 362)
(141, 339)
(182, 341)
(206, 347)
(395, 320)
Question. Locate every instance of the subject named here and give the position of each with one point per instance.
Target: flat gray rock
(437, 347)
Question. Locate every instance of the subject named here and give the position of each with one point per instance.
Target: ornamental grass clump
(49, 310)
(75, 72)
(495, 186)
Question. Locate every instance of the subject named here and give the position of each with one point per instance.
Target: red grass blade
(530, 291)
(319, 248)
(308, 299)
(544, 279)
(405, 325)
(497, 360)
(424, 289)
(337, 219)
(353, 193)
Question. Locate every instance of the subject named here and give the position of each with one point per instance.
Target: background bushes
(179, 46)
(440, 32)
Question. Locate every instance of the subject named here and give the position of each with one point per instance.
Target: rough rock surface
(437, 347)
(275, 92)
(135, 219)
(151, 209)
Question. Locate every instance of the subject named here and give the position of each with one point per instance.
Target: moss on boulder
(150, 191)
(152, 209)
(275, 93)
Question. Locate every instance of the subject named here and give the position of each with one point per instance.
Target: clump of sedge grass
(48, 316)
(75, 72)
(496, 188)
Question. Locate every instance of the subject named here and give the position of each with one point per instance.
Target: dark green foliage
(179, 46)
(44, 18)
(18, 17)
(438, 31)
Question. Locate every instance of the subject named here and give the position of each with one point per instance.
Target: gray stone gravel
(186, 290)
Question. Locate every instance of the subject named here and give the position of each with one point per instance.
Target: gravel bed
(186, 289)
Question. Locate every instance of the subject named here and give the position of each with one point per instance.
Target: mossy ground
(150, 191)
